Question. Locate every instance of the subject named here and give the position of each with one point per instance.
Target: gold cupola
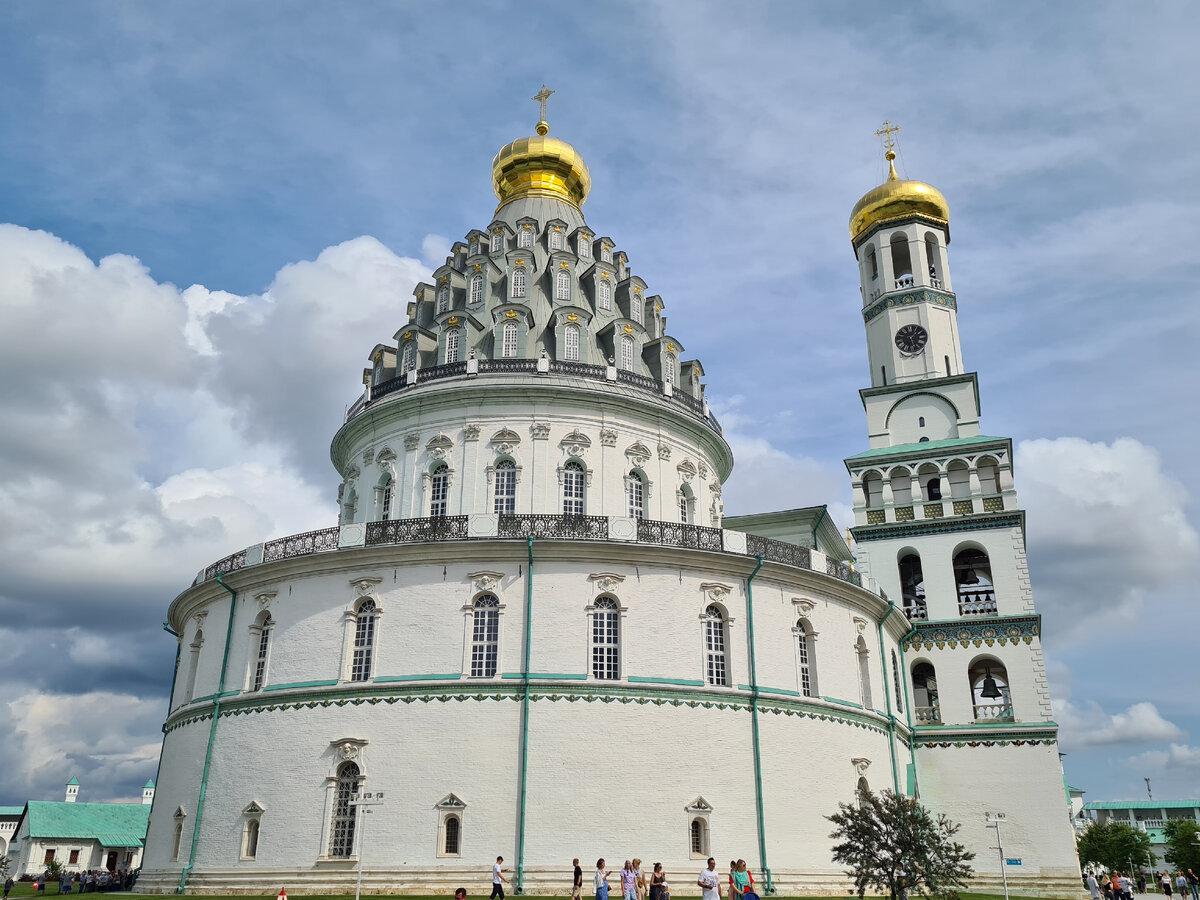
(897, 199)
(541, 166)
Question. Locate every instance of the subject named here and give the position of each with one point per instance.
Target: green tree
(1114, 846)
(54, 870)
(1183, 847)
(886, 834)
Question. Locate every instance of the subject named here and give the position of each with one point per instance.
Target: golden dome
(896, 199)
(540, 166)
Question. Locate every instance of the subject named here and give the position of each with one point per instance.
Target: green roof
(926, 447)
(112, 824)
(1142, 804)
(11, 810)
(1076, 790)
(149, 783)
(73, 780)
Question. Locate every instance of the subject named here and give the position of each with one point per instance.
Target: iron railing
(677, 534)
(548, 527)
(301, 544)
(416, 531)
(231, 563)
(642, 381)
(842, 571)
(778, 551)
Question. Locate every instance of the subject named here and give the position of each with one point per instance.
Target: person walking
(710, 882)
(600, 880)
(1141, 882)
(8, 886)
(1194, 884)
(498, 880)
(1165, 881)
(639, 880)
(1093, 885)
(739, 880)
(576, 881)
(1181, 884)
(628, 882)
(1126, 887)
(658, 880)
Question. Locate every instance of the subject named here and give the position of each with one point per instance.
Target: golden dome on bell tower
(541, 166)
(896, 198)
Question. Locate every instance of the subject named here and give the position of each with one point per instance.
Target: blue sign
(1013, 862)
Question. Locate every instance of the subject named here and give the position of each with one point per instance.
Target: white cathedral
(534, 634)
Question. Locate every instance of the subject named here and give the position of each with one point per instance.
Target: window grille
(341, 830)
(439, 489)
(485, 639)
(571, 343)
(605, 294)
(518, 282)
(385, 502)
(443, 301)
(364, 642)
(714, 647)
(452, 345)
(260, 662)
(635, 496)
(452, 835)
(574, 478)
(408, 358)
(804, 652)
(585, 247)
(506, 488)
(627, 353)
(525, 237)
(509, 348)
(555, 239)
(606, 640)
(562, 290)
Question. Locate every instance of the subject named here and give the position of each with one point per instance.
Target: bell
(990, 691)
(969, 577)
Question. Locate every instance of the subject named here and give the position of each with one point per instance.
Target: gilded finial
(887, 131)
(541, 97)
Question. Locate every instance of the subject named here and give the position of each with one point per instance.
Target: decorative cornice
(919, 527)
(986, 735)
(1000, 630)
(921, 295)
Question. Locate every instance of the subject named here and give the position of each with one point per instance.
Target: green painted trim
(300, 684)
(975, 726)
(887, 696)
(519, 887)
(388, 679)
(758, 790)
(920, 295)
(546, 676)
(920, 527)
(926, 448)
(203, 699)
(912, 779)
(928, 636)
(687, 682)
(842, 702)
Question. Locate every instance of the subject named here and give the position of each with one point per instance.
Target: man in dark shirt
(577, 884)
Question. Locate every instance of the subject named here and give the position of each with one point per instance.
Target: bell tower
(938, 529)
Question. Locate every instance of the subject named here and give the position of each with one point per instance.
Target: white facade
(529, 634)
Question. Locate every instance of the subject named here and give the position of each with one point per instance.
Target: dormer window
(476, 288)
(452, 345)
(474, 247)
(496, 242)
(518, 283)
(669, 370)
(443, 301)
(606, 253)
(562, 286)
(585, 247)
(509, 348)
(556, 239)
(605, 294)
(410, 354)
(635, 307)
(627, 353)
(525, 237)
(571, 343)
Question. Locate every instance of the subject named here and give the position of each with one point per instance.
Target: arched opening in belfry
(901, 260)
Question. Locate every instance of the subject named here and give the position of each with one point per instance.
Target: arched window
(931, 482)
(452, 829)
(476, 288)
(555, 239)
(925, 695)
(669, 369)
(912, 586)
(585, 247)
(806, 658)
(901, 480)
(189, 688)
(715, 669)
(958, 479)
(509, 344)
(176, 840)
(873, 490)
(862, 793)
(496, 242)
(439, 489)
(686, 501)
(259, 676)
(452, 345)
(350, 506)
(562, 286)
(518, 282)
(920, 421)
(485, 637)
(506, 488)
(605, 293)
(933, 257)
(571, 343)
(250, 839)
(990, 692)
(606, 640)
(606, 253)
(409, 357)
(989, 476)
(896, 683)
(864, 673)
(699, 837)
(443, 301)
(901, 261)
(525, 237)
(385, 500)
(973, 575)
(364, 642)
(341, 829)
(574, 479)
(627, 353)
(635, 496)
(872, 263)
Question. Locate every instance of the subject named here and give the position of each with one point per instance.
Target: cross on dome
(541, 97)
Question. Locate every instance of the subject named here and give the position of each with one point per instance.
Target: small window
(715, 670)
(699, 837)
(806, 658)
(883, 375)
(474, 247)
(635, 308)
(49, 857)
(605, 294)
(574, 479)
(862, 793)
(585, 247)
(452, 345)
(409, 357)
(364, 642)
(669, 369)
(506, 488)
(920, 421)
(450, 847)
(571, 343)
(864, 673)
(525, 237)
(606, 253)
(896, 679)
(439, 489)
(250, 839)
(684, 510)
(485, 638)
(606, 640)
(443, 301)
(509, 348)
(476, 288)
(496, 243)
(934, 488)
(562, 289)
(635, 496)
(555, 239)
(872, 263)
(518, 282)
(627, 353)
(948, 372)
(176, 840)
(260, 661)
(73, 859)
(385, 501)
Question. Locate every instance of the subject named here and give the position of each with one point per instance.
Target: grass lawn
(25, 889)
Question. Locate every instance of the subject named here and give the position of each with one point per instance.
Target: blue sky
(217, 209)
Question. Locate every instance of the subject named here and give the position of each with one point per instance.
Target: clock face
(911, 339)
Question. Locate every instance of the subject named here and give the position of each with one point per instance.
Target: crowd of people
(636, 886)
(84, 882)
(1118, 886)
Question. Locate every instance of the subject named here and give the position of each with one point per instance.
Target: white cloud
(766, 479)
(1106, 526)
(434, 250)
(1176, 756)
(1088, 725)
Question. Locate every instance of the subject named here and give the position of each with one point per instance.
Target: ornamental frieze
(988, 632)
(909, 297)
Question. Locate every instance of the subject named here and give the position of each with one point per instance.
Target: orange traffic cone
(282, 894)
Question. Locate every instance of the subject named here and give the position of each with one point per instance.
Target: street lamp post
(363, 801)
(993, 821)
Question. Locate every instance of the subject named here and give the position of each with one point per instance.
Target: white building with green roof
(1150, 816)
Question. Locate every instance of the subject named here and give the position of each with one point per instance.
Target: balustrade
(301, 544)
(551, 527)
(980, 602)
(993, 712)
(927, 715)
(411, 531)
(916, 611)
